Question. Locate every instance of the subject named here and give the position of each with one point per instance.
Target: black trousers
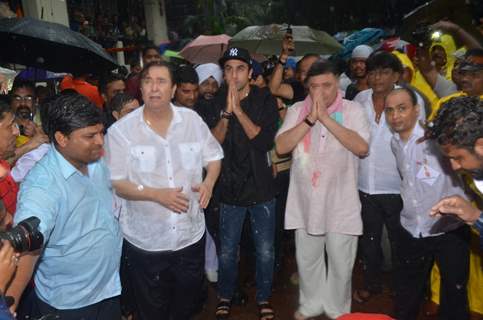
(282, 182)
(108, 309)
(166, 285)
(451, 252)
(379, 210)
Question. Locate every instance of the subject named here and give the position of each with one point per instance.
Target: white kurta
(329, 203)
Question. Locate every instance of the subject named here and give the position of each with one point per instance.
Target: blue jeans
(262, 220)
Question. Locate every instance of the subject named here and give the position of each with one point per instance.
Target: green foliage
(231, 16)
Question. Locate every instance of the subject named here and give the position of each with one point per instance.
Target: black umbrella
(432, 11)
(51, 46)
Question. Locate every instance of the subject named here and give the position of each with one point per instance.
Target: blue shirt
(79, 265)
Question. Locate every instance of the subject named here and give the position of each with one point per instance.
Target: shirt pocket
(190, 155)
(144, 158)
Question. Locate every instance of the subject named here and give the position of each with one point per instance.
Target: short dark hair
(186, 74)
(149, 47)
(21, 83)
(107, 78)
(162, 64)
(119, 100)
(459, 122)
(383, 60)
(322, 67)
(306, 56)
(412, 95)
(4, 109)
(478, 52)
(66, 113)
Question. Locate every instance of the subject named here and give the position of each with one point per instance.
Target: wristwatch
(282, 63)
(308, 122)
(225, 115)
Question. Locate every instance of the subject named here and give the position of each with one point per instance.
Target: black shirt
(246, 174)
(351, 91)
(298, 89)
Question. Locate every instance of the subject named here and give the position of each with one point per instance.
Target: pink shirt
(323, 195)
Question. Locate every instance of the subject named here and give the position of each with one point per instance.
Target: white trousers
(325, 286)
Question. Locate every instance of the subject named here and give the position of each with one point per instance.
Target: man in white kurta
(326, 135)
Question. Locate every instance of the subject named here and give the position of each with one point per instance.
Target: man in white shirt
(425, 180)
(156, 155)
(326, 135)
(379, 180)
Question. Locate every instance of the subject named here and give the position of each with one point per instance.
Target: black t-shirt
(299, 93)
(351, 91)
(246, 175)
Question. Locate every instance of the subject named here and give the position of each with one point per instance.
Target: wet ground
(285, 296)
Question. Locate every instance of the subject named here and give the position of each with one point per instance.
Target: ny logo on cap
(233, 52)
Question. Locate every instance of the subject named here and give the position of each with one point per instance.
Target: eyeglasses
(20, 98)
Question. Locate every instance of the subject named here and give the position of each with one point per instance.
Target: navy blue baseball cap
(236, 53)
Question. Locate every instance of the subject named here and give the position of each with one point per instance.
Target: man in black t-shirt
(244, 120)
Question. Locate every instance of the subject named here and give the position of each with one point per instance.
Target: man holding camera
(77, 272)
(23, 102)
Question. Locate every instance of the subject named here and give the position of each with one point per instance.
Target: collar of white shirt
(417, 133)
(176, 115)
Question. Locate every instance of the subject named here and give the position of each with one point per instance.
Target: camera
(24, 113)
(25, 236)
(424, 34)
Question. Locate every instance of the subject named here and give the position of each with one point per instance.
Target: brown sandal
(223, 310)
(265, 311)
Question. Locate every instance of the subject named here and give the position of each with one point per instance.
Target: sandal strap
(268, 312)
(223, 308)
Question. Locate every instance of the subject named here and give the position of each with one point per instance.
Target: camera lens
(25, 236)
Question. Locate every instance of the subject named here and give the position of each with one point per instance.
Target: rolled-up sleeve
(211, 149)
(39, 198)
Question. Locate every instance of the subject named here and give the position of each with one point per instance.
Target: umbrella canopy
(205, 49)
(268, 40)
(51, 46)
(34, 74)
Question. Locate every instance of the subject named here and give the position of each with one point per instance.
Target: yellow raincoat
(447, 43)
(417, 80)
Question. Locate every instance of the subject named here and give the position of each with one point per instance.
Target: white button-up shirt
(378, 172)
(426, 179)
(138, 154)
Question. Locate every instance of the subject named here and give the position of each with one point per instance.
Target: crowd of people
(145, 186)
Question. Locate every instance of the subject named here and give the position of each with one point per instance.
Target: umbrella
(35, 74)
(51, 46)
(268, 40)
(205, 49)
(369, 36)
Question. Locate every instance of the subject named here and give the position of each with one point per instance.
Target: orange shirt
(84, 88)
